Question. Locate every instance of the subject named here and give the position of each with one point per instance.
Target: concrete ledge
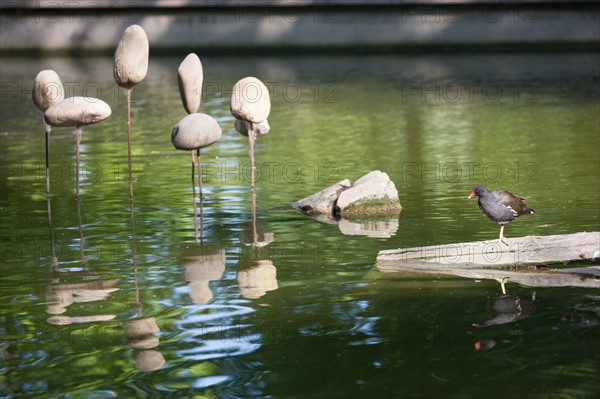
(228, 26)
(73, 4)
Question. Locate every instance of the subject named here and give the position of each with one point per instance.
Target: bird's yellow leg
(501, 238)
(502, 281)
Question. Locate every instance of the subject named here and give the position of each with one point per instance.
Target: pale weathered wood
(493, 260)
(530, 250)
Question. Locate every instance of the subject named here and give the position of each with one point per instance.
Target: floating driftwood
(495, 260)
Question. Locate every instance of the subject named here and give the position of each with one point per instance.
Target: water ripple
(217, 332)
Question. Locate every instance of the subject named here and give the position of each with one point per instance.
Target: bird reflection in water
(504, 309)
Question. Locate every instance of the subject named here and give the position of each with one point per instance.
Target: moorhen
(500, 206)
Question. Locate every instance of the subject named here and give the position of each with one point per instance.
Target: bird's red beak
(472, 194)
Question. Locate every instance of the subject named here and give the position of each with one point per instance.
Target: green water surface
(305, 316)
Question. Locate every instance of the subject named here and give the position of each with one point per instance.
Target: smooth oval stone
(250, 100)
(131, 57)
(189, 79)
(77, 111)
(260, 129)
(47, 90)
(195, 131)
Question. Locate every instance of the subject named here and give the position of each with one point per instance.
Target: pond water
(86, 312)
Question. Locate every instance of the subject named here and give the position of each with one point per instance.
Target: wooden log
(493, 260)
(530, 250)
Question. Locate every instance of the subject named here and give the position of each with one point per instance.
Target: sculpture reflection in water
(206, 262)
(71, 286)
(88, 287)
(504, 309)
(140, 332)
(256, 272)
(203, 263)
(61, 295)
(75, 286)
(256, 277)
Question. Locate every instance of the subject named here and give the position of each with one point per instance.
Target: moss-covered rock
(372, 194)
